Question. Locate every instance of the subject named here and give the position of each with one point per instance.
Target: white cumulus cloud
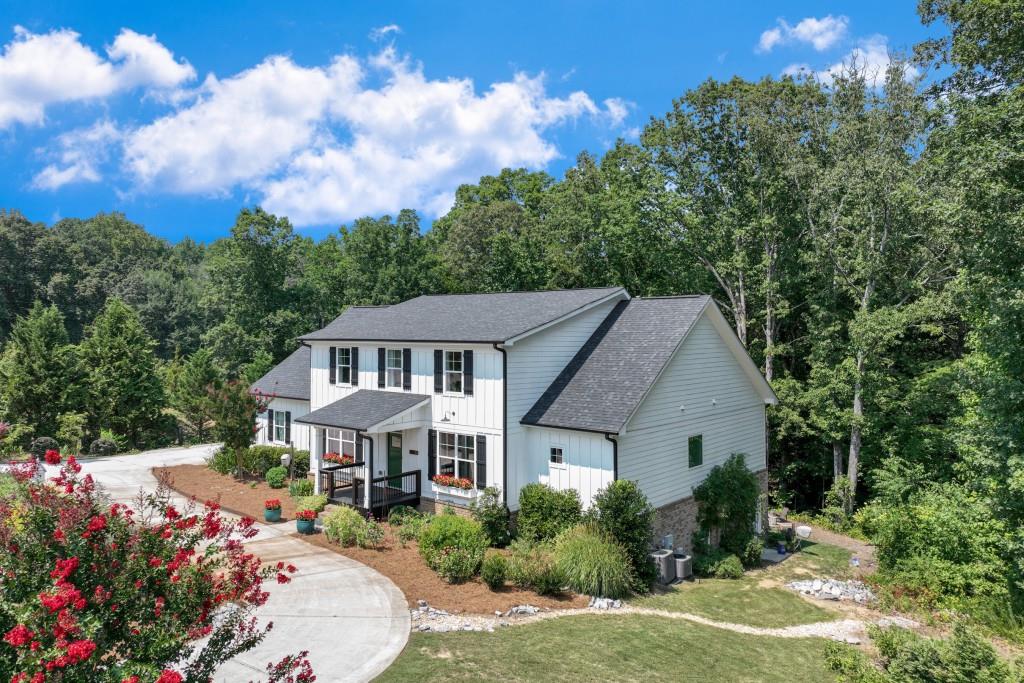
(79, 154)
(871, 56)
(382, 32)
(821, 33)
(38, 70)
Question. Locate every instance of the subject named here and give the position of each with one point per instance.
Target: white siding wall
(300, 432)
(533, 364)
(720, 403)
(587, 460)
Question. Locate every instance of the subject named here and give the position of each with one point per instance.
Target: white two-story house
(429, 401)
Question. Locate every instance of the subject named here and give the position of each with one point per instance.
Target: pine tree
(189, 384)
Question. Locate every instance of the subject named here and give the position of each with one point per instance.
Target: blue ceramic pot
(305, 526)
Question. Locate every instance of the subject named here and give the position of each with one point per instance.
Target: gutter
(615, 456)
(504, 423)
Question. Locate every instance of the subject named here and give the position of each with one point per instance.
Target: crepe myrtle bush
(94, 591)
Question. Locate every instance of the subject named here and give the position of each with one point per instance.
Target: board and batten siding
(533, 364)
(587, 460)
(300, 432)
(705, 391)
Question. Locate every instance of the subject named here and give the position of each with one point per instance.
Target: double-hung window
(345, 365)
(341, 441)
(280, 426)
(394, 368)
(456, 455)
(453, 371)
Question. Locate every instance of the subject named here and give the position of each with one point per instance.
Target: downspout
(504, 421)
(615, 456)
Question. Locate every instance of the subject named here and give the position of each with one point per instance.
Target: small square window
(696, 450)
(556, 455)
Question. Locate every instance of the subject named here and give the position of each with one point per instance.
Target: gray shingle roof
(483, 318)
(363, 409)
(604, 383)
(289, 378)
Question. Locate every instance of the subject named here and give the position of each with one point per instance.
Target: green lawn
(608, 648)
(814, 560)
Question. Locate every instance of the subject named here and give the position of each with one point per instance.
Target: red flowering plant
(338, 459)
(453, 481)
(307, 515)
(272, 504)
(94, 591)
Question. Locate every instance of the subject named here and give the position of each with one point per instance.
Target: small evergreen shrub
(751, 555)
(532, 565)
(623, 511)
(342, 525)
(102, 446)
(300, 488)
(729, 568)
(370, 534)
(457, 565)
(727, 504)
(40, 445)
(593, 563)
(222, 461)
(494, 570)
(452, 532)
(493, 515)
(276, 477)
(315, 503)
(544, 513)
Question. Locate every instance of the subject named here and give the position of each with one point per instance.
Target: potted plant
(305, 521)
(272, 510)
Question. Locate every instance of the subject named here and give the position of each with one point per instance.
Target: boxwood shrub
(494, 570)
(276, 476)
(544, 513)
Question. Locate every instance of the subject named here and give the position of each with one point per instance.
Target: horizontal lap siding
(533, 364)
(587, 460)
(720, 403)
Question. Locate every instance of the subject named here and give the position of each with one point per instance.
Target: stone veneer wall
(680, 518)
(437, 507)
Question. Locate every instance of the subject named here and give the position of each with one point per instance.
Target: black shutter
(334, 365)
(270, 425)
(354, 356)
(438, 371)
(381, 354)
(481, 461)
(407, 369)
(467, 373)
(431, 453)
(359, 447)
(287, 426)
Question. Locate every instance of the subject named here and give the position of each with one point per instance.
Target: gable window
(394, 368)
(456, 455)
(345, 365)
(453, 371)
(695, 446)
(556, 456)
(341, 441)
(280, 426)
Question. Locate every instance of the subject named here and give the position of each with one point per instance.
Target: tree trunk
(837, 459)
(858, 414)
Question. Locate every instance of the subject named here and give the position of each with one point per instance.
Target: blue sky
(180, 113)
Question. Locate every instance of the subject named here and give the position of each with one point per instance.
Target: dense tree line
(865, 237)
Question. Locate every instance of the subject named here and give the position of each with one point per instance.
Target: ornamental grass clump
(592, 562)
(94, 591)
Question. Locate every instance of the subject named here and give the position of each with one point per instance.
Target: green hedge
(257, 460)
(544, 513)
(451, 540)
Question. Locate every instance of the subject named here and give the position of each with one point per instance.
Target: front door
(395, 458)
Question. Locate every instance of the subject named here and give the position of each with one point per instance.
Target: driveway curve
(353, 620)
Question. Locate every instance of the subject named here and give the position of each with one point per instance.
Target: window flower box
(449, 481)
(337, 459)
(457, 488)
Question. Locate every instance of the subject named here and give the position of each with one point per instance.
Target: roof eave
(618, 293)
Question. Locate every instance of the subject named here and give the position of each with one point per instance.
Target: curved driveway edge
(353, 620)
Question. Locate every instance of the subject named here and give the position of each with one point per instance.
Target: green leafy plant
(300, 488)
(544, 513)
(42, 444)
(729, 567)
(592, 562)
(452, 531)
(102, 446)
(493, 515)
(315, 503)
(751, 555)
(342, 525)
(457, 565)
(398, 514)
(276, 476)
(532, 565)
(494, 570)
(727, 504)
(370, 534)
(622, 510)
(412, 527)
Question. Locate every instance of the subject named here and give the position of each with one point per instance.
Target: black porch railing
(334, 477)
(395, 489)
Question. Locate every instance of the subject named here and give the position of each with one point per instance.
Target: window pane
(696, 450)
(453, 361)
(556, 455)
(454, 382)
(395, 378)
(346, 375)
(446, 444)
(343, 356)
(465, 447)
(395, 358)
(446, 466)
(466, 469)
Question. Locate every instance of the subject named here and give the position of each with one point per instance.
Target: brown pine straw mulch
(403, 566)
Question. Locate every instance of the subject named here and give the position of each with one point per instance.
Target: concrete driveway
(353, 620)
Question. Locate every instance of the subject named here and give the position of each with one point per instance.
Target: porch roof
(364, 409)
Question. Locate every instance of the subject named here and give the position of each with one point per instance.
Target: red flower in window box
(454, 482)
(272, 504)
(338, 459)
(306, 515)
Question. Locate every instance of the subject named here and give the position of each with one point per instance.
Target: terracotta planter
(272, 515)
(305, 526)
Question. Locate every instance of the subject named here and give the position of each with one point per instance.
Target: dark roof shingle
(289, 378)
(363, 409)
(483, 318)
(604, 383)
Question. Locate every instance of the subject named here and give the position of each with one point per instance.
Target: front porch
(346, 485)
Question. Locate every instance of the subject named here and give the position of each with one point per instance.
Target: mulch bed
(403, 566)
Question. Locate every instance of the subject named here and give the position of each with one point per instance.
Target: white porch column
(316, 457)
(370, 456)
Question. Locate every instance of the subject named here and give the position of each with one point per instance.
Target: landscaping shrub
(40, 445)
(532, 565)
(370, 534)
(494, 570)
(623, 511)
(452, 531)
(457, 565)
(729, 568)
(751, 555)
(300, 488)
(102, 446)
(544, 513)
(221, 461)
(257, 460)
(412, 527)
(315, 503)
(727, 504)
(493, 515)
(592, 562)
(398, 514)
(342, 525)
(276, 477)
